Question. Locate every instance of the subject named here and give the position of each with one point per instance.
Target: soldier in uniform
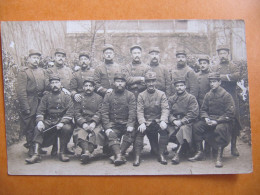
(88, 119)
(184, 110)
(217, 113)
(163, 82)
(229, 74)
(183, 70)
(104, 73)
(31, 83)
(152, 115)
(76, 83)
(118, 118)
(54, 119)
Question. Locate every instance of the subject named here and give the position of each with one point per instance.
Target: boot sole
(118, 163)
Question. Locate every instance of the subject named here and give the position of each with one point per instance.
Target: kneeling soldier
(88, 116)
(152, 115)
(118, 118)
(184, 110)
(54, 119)
(217, 114)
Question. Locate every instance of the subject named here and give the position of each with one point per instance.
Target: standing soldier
(183, 70)
(118, 118)
(163, 82)
(229, 74)
(76, 83)
(31, 83)
(217, 113)
(184, 110)
(104, 74)
(152, 115)
(54, 119)
(88, 117)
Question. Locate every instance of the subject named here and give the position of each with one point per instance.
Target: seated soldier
(184, 110)
(54, 119)
(217, 114)
(87, 116)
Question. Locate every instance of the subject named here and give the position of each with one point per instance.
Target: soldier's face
(34, 60)
(109, 54)
(150, 84)
(204, 65)
(84, 61)
(120, 84)
(55, 85)
(180, 87)
(136, 54)
(181, 59)
(59, 58)
(223, 55)
(214, 83)
(88, 87)
(154, 57)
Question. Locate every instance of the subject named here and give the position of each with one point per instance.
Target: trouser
(27, 125)
(152, 133)
(216, 136)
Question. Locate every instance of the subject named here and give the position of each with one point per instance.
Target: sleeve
(69, 114)
(97, 79)
(165, 108)
(234, 74)
(97, 117)
(140, 109)
(132, 111)
(78, 114)
(171, 117)
(48, 74)
(167, 83)
(105, 113)
(229, 111)
(130, 80)
(193, 111)
(205, 107)
(193, 83)
(73, 85)
(21, 91)
(42, 108)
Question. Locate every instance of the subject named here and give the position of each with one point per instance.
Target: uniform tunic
(204, 86)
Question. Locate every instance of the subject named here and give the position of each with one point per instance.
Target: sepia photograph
(126, 97)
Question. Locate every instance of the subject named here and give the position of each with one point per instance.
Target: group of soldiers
(115, 106)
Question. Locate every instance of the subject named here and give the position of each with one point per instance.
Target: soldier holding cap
(54, 119)
(184, 110)
(118, 118)
(31, 83)
(217, 114)
(183, 70)
(104, 73)
(76, 83)
(163, 82)
(152, 115)
(88, 119)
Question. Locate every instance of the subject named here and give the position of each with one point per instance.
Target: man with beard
(216, 116)
(88, 118)
(54, 119)
(31, 83)
(118, 118)
(163, 82)
(229, 74)
(183, 70)
(184, 110)
(152, 115)
(76, 83)
(104, 74)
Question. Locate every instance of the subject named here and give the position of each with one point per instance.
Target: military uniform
(203, 83)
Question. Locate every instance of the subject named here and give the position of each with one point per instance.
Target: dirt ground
(101, 165)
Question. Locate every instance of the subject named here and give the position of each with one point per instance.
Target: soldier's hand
(213, 123)
(108, 131)
(207, 120)
(177, 123)
(142, 127)
(130, 129)
(59, 126)
(66, 91)
(40, 126)
(27, 112)
(92, 126)
(85, 126)
(109, 90)
(163, 125)
(142, 79)
(77, 97)
(76, 68)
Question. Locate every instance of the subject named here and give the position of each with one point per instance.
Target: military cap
(204, 57)
(223, 47)
(181, 52)
(135, 46)
(214, 75)
(150, 76)
(108, 46)
(60, 50)
(154, 49)
(119, 75)
(34, 52)
(89, 79)
(84, 53)
(54, 77)
(179, 80)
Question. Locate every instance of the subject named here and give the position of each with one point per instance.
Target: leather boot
(124, 147)
(62, 156)
(219, 163)
(31, 150)
(176, 158)
(54, 150)
(85, 157)
(118, 158)
(162, 160)
(234, 150)
(35, 157)
(137, 161)
(199, 154)
(69, 151)
(207, 149)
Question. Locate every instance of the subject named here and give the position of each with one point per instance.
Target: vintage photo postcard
(126, 97)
